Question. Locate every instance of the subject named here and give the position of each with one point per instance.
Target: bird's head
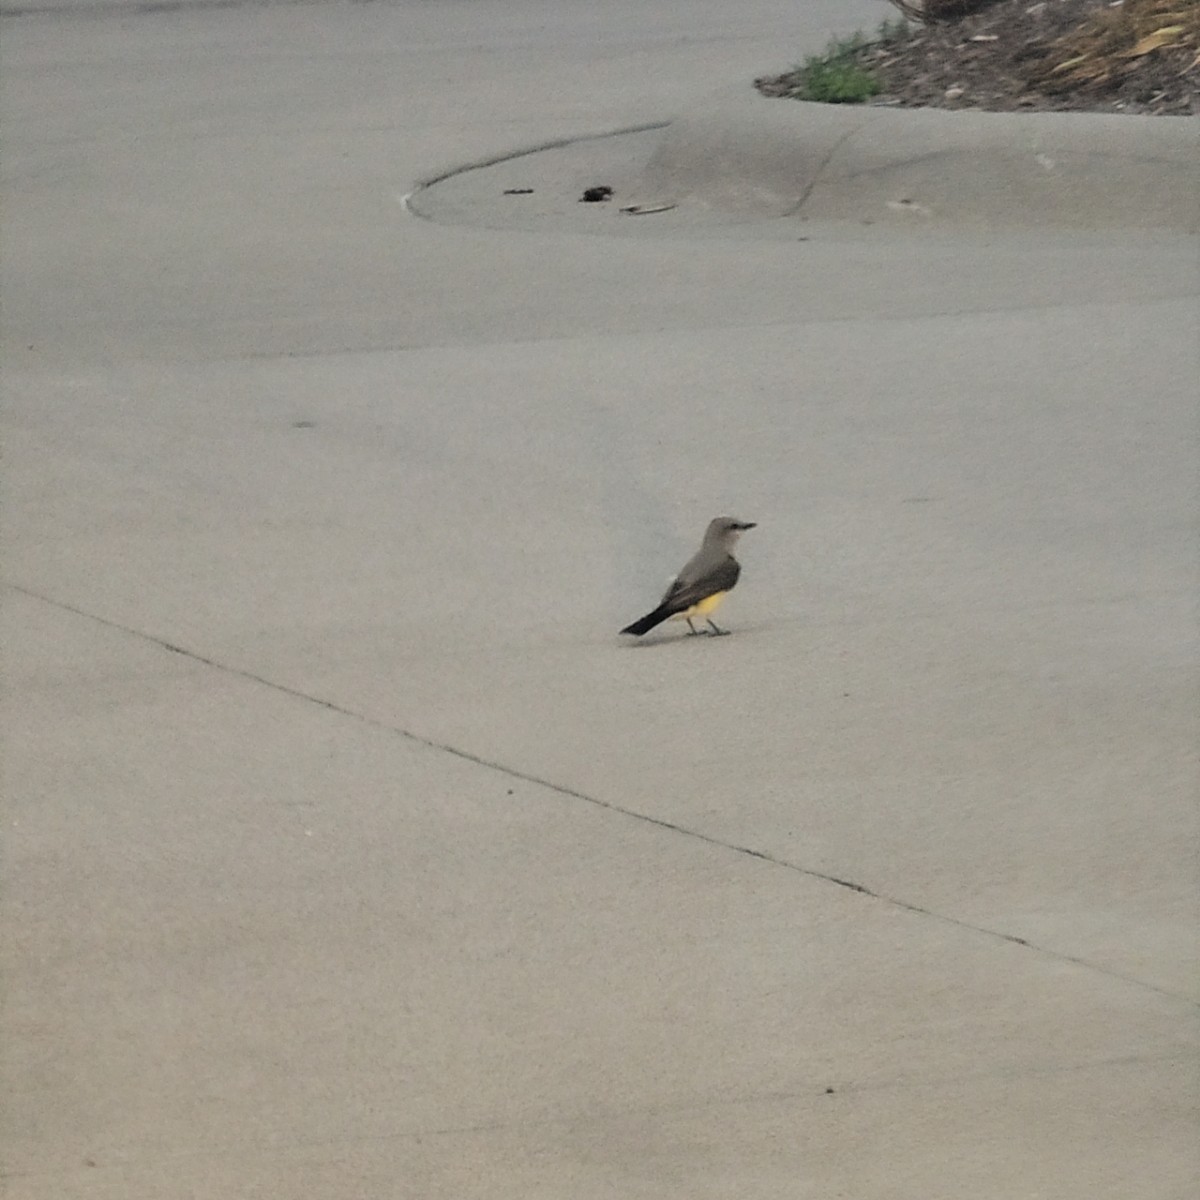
(727, 530)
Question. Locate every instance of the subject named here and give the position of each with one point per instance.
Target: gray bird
(704, 581)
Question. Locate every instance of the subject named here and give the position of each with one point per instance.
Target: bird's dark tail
(648, 622)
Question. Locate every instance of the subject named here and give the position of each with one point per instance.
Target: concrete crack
(571, 793)
(825, 161)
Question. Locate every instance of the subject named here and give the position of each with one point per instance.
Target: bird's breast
(703, 607)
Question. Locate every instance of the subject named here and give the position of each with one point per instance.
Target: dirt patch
(1139, 56)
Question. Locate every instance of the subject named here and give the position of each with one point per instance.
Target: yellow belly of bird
(703, 608)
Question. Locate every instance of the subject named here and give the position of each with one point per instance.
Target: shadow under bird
(704, 581)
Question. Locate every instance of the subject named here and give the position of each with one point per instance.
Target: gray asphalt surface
(351, 855)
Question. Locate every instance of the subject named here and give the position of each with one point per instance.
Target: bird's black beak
(745, 524)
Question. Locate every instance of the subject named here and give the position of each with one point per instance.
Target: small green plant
(845, 47)
(835, 77)
(893, 31)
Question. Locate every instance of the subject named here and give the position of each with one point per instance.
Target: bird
(703, 582)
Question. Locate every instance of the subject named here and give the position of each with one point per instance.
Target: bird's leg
(717, 631)
(692, 627)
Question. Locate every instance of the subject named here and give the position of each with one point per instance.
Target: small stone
(955, 92)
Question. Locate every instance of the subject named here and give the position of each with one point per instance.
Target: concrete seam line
(789, 322)
(118, 8)
(511, 155)
(608, 805)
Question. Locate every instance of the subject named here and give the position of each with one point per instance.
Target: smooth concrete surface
(350, 853)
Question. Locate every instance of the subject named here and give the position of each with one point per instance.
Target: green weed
(835, 78)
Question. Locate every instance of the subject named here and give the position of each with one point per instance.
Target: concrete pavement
(741, 160)
(965, 170)
(349, 852)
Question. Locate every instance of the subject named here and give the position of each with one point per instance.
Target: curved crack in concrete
(819, 173)
(407, 200)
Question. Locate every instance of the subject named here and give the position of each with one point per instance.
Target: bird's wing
(685, 591)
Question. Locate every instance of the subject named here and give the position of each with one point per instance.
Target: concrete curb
(768, 158)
